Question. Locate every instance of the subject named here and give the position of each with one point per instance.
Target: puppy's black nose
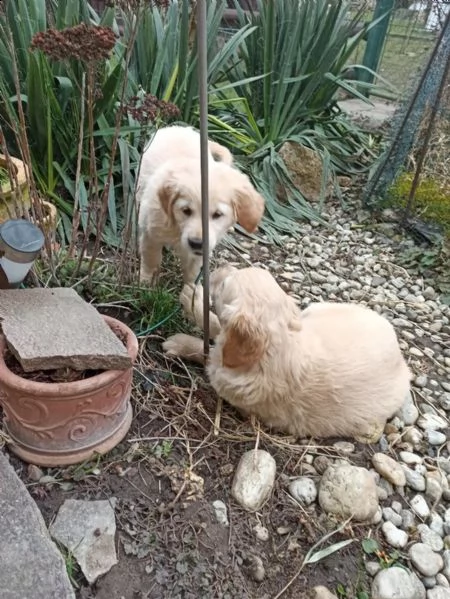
(195, 243)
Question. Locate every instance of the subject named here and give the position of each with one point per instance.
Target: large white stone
(349, 491)
(389, 469)
(254, 478)
(425, 560)
(397, 583)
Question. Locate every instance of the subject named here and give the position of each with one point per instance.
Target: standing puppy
(169, 197)
(333, 369)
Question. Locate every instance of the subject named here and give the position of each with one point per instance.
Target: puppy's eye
(187, 211)
(217, 214)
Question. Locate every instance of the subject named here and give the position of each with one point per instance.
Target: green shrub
(284, 85)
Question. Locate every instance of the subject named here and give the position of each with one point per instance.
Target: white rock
(391, 516)
(397, 583)
(261, 532)
(303, 489)
(321, 592)
(414, 479)
(447, 521)
(430, 538)
(376, 519)
(425, 560)
(413, 436)
(256, 568)
(437, 524)
(433, 489)
(372, 568)
(220, 509)
(415, 351)
(431, 421)
(408, 412)
(389, 469)
(446, 557)
(344, 447)
(420, 507)
(254, 478)
(442, 581)
(410, 458)
(408, 519)
(397, 507)
(348, 491)
(87, 530)
(434, 437)
(439, 593)
(394, 536)
(429, 582)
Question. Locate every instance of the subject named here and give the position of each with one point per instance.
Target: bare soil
(166, 475)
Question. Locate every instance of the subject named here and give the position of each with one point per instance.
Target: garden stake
(203, 97)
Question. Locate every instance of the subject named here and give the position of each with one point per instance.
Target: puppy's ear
(167, 194)
(249, 207)
(244, 343)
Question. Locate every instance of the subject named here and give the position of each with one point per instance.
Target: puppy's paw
(184, 346)
(173, 346)
(148, 279)
(189, 297)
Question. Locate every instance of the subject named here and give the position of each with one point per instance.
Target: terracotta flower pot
(13, 200)
(57, 424)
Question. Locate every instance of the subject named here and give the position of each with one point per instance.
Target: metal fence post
(375, 40)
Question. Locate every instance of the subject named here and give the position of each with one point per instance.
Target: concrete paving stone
(55, 328)
(31, 567)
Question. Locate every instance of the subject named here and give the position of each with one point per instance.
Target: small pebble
(303, 489)
(420, 507)
(394, 536)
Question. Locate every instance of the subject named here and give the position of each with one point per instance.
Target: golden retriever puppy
(333, 369)
(169, 197)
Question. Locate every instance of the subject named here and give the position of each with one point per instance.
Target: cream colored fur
(169, 197)
(329, 370)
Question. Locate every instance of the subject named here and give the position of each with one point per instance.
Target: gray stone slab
(56, 328)
(31, 567)
(373, 116)
(87, 530)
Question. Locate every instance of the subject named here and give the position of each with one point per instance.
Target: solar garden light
(20, 243)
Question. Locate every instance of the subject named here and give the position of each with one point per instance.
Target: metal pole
(203, 96)
(375, 41)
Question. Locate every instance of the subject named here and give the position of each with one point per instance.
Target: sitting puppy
(329, 370)
(169, 197)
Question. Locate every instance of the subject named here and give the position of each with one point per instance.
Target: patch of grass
(4, 178)
(386, 560)
(432, 199)
(144, 309)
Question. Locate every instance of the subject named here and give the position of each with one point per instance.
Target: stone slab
(55, 328)
(373, 116)
(87, 530)
(31, 567)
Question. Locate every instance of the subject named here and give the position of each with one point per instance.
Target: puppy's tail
(220, 153)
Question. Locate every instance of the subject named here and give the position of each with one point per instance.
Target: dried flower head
(146, 108)
(135, 5)
(82, 42)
